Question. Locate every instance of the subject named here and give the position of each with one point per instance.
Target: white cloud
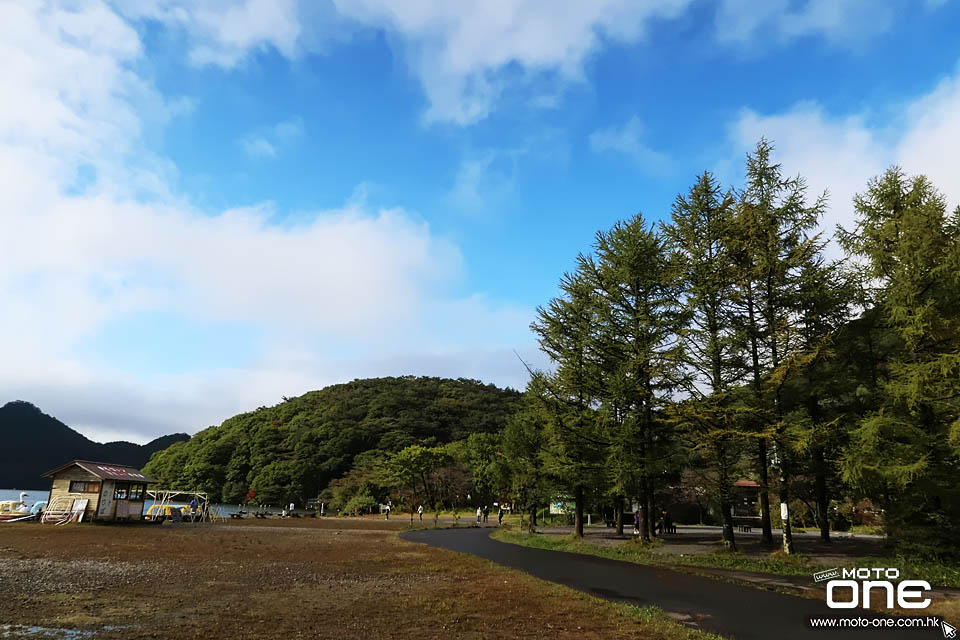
(267, 142)
(467, 54)
(257, 147)
(628, 140)
(225, 33)
(845, 22)
(483, 182)
(841, 153)
(356, 280)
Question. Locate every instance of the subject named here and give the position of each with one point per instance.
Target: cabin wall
(107, 507)
(113, 508)
(61, 488)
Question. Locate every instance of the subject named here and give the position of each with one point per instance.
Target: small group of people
(484, 512)
(664, 524)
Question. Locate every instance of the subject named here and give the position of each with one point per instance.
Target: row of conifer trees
(737, 338)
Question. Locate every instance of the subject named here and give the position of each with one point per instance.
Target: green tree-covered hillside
(293, 450)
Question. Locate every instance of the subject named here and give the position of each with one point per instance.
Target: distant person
(479, 515)
(668, 523)
(500, 515)
(387, 511)
(420, 512)
(193, 506)
(486, 513)
(636, 523)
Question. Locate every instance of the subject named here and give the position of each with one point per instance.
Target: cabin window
(82, 486)
(136, 491)
(121, 491)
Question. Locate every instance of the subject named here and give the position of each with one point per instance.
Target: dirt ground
(328, 578)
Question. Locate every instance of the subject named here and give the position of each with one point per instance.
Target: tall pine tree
(902, 453)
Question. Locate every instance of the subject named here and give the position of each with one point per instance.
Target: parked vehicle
(160, 512)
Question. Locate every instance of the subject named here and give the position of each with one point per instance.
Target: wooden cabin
(96, 491)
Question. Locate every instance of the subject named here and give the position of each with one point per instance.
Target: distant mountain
(31, 443)
(291, 451)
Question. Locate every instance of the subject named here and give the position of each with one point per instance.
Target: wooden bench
(745, 524)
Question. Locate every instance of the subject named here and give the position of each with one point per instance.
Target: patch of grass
(938, 574)
(643, 553)
(867, 530)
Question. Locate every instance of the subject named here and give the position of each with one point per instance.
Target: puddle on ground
(45, 633)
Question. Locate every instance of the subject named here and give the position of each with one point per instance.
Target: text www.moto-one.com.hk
(897, 622)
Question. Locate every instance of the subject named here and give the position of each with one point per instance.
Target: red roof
(743, 482)
(106, 471)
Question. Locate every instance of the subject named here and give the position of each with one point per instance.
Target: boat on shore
(14, 509)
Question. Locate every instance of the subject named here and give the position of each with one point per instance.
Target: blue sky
(209, 205)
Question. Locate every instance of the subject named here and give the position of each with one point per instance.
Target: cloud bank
(93, 234)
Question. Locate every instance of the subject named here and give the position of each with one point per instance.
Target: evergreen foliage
(905, 451)
(292, 451)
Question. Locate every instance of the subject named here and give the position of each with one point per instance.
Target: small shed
(96, 491)
(745, 495)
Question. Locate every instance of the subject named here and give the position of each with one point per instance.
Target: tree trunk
(823, 500)
(618, 511)
(726, 507)
(787, 533)
(651, 510)
(578, 518)
(644, 531)
(785, 501)
(766, 536)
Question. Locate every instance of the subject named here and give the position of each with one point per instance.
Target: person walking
(636, 523)
(500, 516)
(420, 512)
(486, 513)
(479, 514)
(387, 511)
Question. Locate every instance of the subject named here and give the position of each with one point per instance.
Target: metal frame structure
(165, 497)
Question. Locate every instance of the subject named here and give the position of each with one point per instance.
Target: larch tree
(524, 446)
(575, 442)
(906, 452)
(773, 238)
(639, 352)
(699, 238)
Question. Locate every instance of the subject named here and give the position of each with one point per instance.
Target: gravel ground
(332, 578)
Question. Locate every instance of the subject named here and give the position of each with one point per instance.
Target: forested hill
(298, 446)
(34, 443)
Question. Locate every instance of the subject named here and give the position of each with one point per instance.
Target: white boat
(13, 509)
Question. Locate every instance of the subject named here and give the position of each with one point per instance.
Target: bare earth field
(300, 578)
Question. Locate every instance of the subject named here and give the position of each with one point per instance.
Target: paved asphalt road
(733, 611)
